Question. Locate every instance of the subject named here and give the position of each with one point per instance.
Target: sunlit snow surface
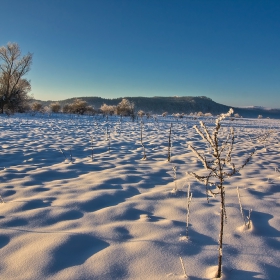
(80, 203)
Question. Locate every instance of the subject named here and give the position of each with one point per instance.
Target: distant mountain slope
(181, 104)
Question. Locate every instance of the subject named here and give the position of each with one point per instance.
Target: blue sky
(228, 50)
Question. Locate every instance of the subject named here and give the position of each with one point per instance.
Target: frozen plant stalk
(248, 222)
(189, 199)
(91, 147)
(169, 144)
(141, 140)
(240, 205)
(219, 167)
(175, 178)
(62, 153)
(183, 267)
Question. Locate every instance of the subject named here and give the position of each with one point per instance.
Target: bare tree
(13, 88)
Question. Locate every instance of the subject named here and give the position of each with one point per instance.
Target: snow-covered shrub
(36, 107)
(208, 115)
(141, 113)
(55, 107)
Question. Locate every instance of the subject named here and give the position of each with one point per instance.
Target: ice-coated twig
(71, 158)
(183, 267)
(63, 153)
(109, 141)
(141, 140)
(169, 144)
(91, 139)
(249, 219)
(240, 205)
(207, 135)
(189, 199)
(199, 156)
(175, 177)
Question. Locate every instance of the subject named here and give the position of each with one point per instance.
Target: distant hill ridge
(175, 104)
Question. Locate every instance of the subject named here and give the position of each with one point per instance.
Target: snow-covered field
(75, 210)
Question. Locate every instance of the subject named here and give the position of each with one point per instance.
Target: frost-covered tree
(13, 87)
(125, 108)
(37, 107)
(55, 107)
(108, 109)
(141, 113)
(66, 108)
(219, 167)
(79, 106)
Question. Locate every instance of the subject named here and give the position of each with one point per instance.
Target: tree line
(14, 89)
(81, 107)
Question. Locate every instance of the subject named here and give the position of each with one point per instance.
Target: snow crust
(75, 210)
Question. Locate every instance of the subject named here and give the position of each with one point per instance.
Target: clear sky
(228, 50)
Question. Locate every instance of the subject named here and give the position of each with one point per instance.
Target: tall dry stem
(141, 140)
(169, 144)
(220, 167)
(189, 199)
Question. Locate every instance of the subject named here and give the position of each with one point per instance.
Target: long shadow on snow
(133, 214)
(75, 250)
(272, 271)
(42, 158)
(116, 272)
(73, 171)
(241, 274)
(198, 240)
(263, 228)
(128, 179)
(34, 204)
(261, 225)
(15, 222)
(4, 240)
(108, 199)
(260, 195)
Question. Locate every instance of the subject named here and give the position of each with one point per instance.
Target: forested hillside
(182, 104)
